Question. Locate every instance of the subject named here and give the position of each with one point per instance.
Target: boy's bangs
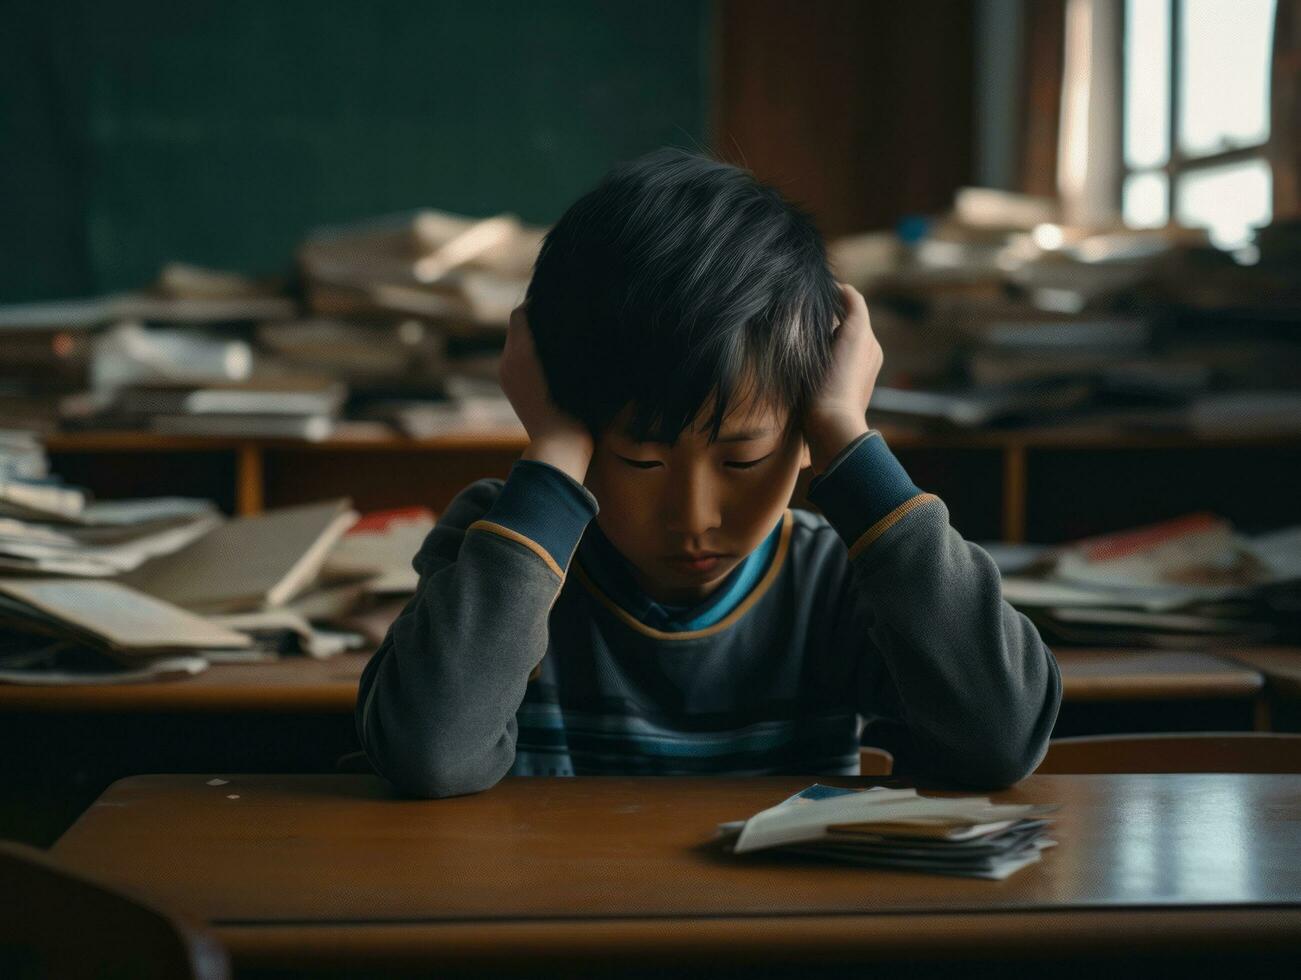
(705, 391)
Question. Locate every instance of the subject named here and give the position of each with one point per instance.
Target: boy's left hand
(837, 415)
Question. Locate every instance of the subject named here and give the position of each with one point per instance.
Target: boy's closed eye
(738, 464)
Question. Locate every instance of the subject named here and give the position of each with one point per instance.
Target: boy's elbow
(1002, 770)
(1010, 756)
(436, 774)
(441, 785)
(1002, 757)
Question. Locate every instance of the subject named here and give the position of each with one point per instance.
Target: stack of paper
(896, 828)
(103, 538)
(50, 528)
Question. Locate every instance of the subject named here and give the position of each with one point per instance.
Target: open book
(248, 563)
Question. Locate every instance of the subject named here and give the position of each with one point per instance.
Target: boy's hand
(837, 415)
(554, 437)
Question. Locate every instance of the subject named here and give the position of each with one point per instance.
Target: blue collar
(612, 573)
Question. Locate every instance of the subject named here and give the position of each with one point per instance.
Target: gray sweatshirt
(873, 623)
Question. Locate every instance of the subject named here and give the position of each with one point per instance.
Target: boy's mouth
(699, 561)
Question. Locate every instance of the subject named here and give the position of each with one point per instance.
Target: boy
(682, 353)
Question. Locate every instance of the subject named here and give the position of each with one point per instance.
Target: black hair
(674, 283)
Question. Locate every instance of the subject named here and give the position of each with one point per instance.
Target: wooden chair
(875, 762)
(56, 923)
(1174, 752)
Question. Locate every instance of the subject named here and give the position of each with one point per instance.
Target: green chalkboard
(218, 133)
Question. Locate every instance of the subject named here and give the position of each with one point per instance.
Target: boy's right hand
(555, 437)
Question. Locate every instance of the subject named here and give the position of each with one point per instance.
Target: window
(1196, 115)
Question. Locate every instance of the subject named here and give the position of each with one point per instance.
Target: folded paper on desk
(896, 828)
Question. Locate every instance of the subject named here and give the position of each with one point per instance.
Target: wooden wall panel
(862, 111)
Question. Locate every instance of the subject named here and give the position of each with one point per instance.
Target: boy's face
(685, 515)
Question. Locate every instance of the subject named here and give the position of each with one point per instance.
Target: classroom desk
(302, 684)
(334, 871)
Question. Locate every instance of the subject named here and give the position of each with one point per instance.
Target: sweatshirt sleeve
(975, 688)
(436, 704)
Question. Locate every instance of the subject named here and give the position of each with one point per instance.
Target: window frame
(1177, 164)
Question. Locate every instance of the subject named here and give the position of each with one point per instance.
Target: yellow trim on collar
(501, 531)
(888, 521)
(760, 587)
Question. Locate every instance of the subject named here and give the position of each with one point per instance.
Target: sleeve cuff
(546, 506)
(863, 484)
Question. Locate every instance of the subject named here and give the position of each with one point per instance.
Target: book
(296, 396)
(40, 498)
(248, 563)
(975, 406)
(380, 548)
(111, 615)
(312, 428)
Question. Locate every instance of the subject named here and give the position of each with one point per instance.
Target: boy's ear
(806, 458)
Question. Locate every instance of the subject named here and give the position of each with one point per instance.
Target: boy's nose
(692, 508)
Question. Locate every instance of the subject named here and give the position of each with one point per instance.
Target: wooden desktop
(337, 872)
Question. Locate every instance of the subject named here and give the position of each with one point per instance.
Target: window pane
(1228, 200)
(1224, 73)
(1145, 200)
(1147, 82)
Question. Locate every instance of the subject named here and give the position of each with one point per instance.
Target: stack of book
(64, 616)
(130, 589)
(464, 275)
(968, 837)
(1193, 582)
(276, 408)
(999, 313)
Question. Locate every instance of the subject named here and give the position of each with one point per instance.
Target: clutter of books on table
(124, 590)
(994, 316)
(1190, 583)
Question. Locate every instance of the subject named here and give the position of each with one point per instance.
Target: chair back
(57, 923)
(874, 761)
(1268, 752)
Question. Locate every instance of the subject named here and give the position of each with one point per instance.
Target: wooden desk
(1126, 675)
(302, 871)
(1280, 665)
(300, 684)
(290, 685)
